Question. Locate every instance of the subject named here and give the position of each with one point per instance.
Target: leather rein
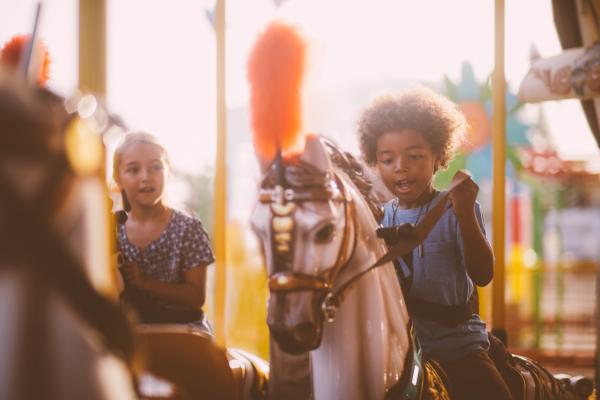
(282, 202)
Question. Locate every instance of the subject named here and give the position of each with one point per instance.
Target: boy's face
(406, 163)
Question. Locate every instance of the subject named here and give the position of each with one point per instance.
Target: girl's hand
(463, 198)
(117, 261)
(133, 275)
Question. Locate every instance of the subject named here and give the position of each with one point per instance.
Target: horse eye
(325, 234)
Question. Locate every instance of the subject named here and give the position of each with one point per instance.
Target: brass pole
(220, 210)
(499, 167)
(92, 46)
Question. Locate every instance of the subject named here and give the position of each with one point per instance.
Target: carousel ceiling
(577, 25)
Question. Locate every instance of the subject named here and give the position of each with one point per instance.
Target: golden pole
(499, 160)
(92, 78)
(220, 219)
(92, 46)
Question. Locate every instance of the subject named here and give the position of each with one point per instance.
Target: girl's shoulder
(184, 217)
(186, 221)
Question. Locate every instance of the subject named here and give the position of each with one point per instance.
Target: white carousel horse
(318, 232)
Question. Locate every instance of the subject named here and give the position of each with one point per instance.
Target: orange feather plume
(275, 73)
(11, 55)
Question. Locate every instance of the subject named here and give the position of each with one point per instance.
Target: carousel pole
(499, 167)
(92, 79)
(220, 210)
(92, 46)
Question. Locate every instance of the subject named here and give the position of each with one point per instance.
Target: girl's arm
(190, 293)
(479, 258)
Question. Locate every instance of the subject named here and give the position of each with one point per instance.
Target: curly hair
(422, 110)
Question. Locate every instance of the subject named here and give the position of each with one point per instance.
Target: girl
(409, 138)
(165, 253)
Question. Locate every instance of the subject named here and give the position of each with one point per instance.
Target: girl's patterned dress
(183, 245)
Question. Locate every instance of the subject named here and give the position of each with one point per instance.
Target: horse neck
(363, 350)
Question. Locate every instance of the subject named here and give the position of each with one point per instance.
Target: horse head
(303, 220)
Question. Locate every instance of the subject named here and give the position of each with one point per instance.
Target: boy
(409, 137)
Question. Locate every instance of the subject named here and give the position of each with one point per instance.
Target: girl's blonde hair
(128, 140)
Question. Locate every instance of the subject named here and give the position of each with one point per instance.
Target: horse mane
(356, 171)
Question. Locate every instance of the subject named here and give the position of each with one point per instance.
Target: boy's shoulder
(388, 208)
(389, 204)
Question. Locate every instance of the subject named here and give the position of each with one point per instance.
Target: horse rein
(282, 203)
(415, 237)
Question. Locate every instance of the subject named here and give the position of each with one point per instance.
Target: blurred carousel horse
(60, 338)
(331, 292)
(62, 333)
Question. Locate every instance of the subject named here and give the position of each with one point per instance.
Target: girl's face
(406, 163)
(142, 174)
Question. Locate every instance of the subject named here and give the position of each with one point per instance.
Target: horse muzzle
(297, 339)
(296, 325)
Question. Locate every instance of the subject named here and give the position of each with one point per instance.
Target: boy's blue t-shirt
(440, 276)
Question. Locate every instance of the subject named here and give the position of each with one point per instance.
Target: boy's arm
(478, 255)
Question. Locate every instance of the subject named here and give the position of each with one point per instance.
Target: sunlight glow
(161, 61)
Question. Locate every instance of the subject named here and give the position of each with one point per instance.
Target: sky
(161, 58)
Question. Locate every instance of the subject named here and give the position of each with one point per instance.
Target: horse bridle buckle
(329, 307)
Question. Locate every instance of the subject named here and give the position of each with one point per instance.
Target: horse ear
(315, 154)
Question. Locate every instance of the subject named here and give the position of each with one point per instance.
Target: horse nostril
(305, 332)
(295, 339)
(276, 329)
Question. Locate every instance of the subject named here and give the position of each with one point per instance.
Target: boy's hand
(463, 198)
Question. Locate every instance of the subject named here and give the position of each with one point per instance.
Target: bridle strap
(286, 282)
(313, 194)
(343, 254)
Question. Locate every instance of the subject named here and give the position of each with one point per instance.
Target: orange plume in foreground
(275, 72)
(10, 55)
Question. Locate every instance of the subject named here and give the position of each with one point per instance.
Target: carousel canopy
(575, 73)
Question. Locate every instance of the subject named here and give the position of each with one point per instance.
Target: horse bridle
(282, 202)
